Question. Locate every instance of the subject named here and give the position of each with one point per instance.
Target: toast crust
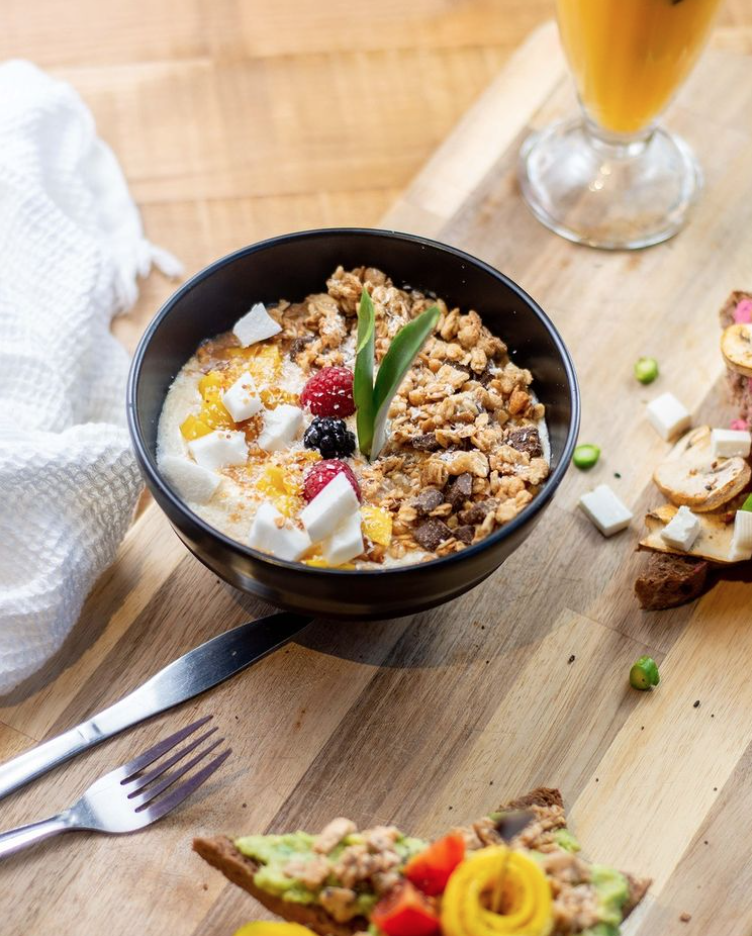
(221, 853)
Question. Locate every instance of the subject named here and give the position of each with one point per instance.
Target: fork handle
(17, 839)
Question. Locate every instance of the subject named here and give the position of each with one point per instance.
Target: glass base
(609, 193)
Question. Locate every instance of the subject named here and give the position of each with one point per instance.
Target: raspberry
(325, 471)
(329, 392)
(330, 436)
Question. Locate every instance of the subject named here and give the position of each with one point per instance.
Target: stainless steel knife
(190, 675)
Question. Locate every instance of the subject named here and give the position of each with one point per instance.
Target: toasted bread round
(693, 477)
(736, 347)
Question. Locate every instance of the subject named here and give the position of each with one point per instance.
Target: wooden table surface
(433, 718)
(236, 120)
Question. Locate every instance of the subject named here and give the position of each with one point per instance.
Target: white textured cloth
(71, 248)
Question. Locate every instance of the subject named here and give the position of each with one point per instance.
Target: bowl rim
(155, 478)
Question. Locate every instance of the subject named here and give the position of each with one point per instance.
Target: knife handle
(15, 773)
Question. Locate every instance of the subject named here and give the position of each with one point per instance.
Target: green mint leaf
(363, 375)
(398, 360)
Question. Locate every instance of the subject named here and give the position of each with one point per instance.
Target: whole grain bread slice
(221, 853)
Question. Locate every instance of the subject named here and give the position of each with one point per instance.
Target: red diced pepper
(429, 871)
(405, 911)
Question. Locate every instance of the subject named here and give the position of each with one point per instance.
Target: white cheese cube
(668, 416)
(256, 325)
(333, 504)
(730, 442)
(605, 510)
(219, 449)
(281, 426)
(346, 542)
(242, 401)
(273, 533)
(682, 530)
(192, 482)
(741, 546)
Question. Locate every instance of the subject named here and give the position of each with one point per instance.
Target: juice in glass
(629, 56)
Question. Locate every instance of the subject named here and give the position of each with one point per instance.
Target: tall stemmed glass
(612, 178)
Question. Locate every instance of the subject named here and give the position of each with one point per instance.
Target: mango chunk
(377, 525)
(193, 428)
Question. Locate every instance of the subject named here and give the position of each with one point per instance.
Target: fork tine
(177, 796)
(141, 780)
(143, 760)
(141, 799)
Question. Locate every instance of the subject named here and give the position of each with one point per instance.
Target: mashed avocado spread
(613, 892)
(273, 852)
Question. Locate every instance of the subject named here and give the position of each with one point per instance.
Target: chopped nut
(332, 834)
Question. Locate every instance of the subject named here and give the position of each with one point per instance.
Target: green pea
(747, 505)
(644, 674)
(586, 456)
(646, 369)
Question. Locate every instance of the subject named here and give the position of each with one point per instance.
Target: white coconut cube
(281, 427)
(728, 443)
(605, 510)
(242, 401)
(668, 416)
(219, 449)
(273, 533)
(192, 482)
(333, 504)
(256, 325)
(682, 530)
(346, 542)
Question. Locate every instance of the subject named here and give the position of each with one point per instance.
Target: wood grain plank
(477, 700)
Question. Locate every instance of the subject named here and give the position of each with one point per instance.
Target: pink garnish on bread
(743, 312)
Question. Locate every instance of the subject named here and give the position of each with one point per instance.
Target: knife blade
(198, 670)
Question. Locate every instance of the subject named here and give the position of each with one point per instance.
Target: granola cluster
(464, 455)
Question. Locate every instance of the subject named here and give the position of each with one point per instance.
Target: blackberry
(330, 436)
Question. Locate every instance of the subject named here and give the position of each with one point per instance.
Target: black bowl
(292, 267)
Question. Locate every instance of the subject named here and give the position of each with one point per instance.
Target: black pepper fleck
(616, 474)
(697, 704)
(571, 659)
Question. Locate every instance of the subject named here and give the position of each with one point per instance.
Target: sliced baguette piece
(220, 852)
(691, 476)
(736, 348)
(714, 541)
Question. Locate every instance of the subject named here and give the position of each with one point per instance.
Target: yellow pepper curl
(525, 896)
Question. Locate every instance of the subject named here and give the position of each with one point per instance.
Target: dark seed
(509, 825)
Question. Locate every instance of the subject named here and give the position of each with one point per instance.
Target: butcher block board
(431, 720)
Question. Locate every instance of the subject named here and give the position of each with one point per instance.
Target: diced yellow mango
(377, 525)
(193, 427)
(288, 505)
(318, 562)
(265, 363)
(214, 380)
(271, 397)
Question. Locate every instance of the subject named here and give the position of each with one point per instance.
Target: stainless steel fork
(128, 798)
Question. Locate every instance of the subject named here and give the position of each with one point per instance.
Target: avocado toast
(342, 881)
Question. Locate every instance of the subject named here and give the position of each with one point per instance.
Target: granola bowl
(480, 431)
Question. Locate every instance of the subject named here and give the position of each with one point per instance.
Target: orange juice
(629, 56)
